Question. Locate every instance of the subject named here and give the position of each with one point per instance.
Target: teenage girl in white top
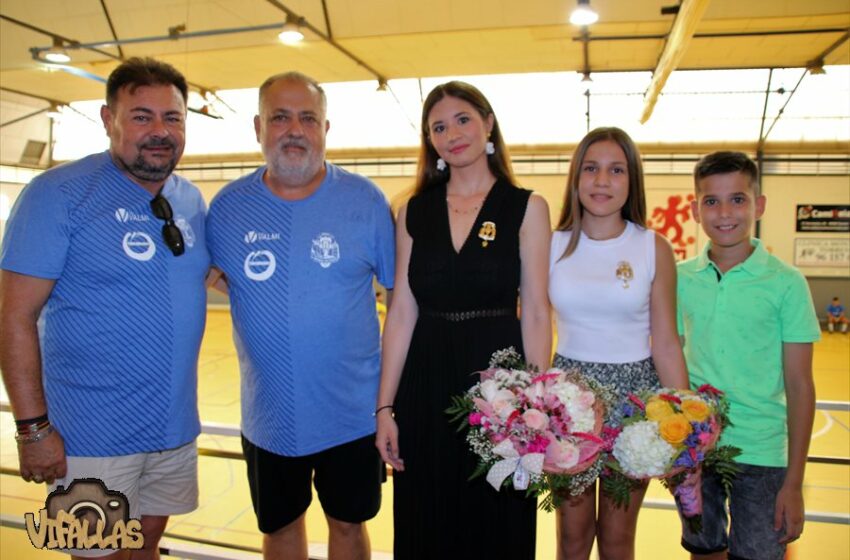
(612, 283)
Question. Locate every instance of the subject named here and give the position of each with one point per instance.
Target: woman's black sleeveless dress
(467, 310)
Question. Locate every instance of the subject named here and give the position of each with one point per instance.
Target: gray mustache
(159, 143)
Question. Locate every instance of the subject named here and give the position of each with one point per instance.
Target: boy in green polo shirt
(748, 324)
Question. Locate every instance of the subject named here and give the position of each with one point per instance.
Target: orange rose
(675, 428)
(695, 410)
(657, 410)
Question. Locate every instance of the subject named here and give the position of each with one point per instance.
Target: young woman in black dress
(469, 243)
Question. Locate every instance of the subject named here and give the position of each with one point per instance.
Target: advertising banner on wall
(826, 218)
(822, 252)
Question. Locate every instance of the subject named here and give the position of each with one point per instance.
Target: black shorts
(348, 481)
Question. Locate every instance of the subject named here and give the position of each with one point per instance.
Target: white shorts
(160, 483)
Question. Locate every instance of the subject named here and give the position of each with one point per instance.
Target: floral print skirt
(617, 379)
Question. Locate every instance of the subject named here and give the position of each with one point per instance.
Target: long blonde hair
(633, 210)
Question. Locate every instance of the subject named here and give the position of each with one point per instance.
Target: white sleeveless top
(601, 295)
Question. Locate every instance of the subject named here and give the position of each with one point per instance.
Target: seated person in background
(835, 314)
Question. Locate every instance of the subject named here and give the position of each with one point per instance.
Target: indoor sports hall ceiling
(349, 40)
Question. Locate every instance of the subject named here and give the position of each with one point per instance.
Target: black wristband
(380, 408)
(36, 420)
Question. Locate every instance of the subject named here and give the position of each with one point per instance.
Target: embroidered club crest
(325, 250)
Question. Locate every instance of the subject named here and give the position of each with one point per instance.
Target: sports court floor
(225, 514)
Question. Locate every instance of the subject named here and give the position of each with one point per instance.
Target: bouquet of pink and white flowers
(540, 432)
(670, 434)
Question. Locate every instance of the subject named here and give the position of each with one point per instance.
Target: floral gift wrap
(540, 432)
(670, 434)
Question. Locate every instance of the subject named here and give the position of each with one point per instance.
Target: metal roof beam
(684, 27)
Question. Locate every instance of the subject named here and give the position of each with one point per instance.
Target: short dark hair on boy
(137, 72)
(717, 163)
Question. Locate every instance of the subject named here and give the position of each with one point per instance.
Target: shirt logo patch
(325, 250)
(186, 229)
(123, 215)
(138, 246)
(259, 265)
(254, 236)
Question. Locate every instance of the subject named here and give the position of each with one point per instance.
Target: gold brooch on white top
(487, 233)
(625, 273)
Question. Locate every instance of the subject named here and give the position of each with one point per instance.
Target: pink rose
(561, 455)
(503, 403)
(535, 419)
(475, 419)
(501, 400)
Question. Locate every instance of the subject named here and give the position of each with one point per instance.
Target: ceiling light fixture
(815, 67)
(583, 14)
(57, 52)
(291, 32)
(54, 113)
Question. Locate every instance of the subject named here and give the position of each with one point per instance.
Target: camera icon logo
(89, 499)
(86, 515)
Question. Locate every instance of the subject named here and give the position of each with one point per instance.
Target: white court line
(825, 429)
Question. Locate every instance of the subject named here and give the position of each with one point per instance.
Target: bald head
(295, 78)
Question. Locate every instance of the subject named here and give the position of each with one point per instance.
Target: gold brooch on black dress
(487, 233)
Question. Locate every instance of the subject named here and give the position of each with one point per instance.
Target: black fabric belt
(457, 316)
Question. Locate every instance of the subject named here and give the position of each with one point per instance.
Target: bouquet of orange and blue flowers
(540, 432)
(671, 434)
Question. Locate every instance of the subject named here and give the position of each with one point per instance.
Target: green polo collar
(754, 264)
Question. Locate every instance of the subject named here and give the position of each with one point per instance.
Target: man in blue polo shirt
(110, 252)
(300, 241)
